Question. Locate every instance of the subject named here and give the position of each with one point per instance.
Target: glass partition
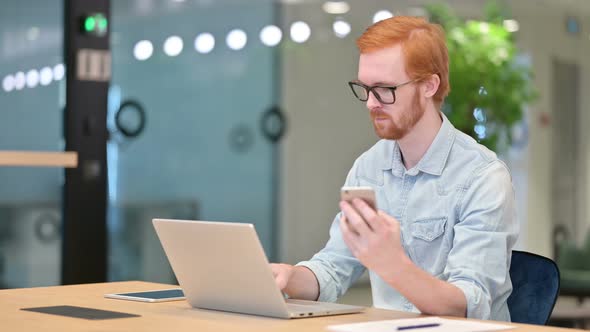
(31, 109)
(203, 81)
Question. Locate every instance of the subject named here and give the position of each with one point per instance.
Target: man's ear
(431, 85)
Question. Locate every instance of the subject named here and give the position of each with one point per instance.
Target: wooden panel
(39, 159)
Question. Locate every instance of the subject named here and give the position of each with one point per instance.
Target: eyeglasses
(384, 93)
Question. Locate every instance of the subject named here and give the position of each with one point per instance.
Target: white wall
(329, 128)
(543, 36)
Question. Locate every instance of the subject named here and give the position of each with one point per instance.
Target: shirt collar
(433, 161)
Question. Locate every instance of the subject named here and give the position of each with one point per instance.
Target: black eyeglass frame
(369, 89)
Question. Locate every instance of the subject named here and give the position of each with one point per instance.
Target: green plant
(489, 89)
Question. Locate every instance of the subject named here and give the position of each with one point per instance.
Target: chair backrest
(535, 286)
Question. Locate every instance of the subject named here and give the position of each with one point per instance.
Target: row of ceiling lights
(33, 78)
(204, 43)
(270, 36)
(237, 39)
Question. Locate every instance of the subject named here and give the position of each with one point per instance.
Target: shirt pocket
(428, 229)
(428, 244)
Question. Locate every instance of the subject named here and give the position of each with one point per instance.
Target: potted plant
(489, 88)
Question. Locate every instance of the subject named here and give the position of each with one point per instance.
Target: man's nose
(372, 101)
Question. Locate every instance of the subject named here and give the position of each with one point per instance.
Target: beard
(394, 131)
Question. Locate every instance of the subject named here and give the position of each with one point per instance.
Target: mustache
(379, 114)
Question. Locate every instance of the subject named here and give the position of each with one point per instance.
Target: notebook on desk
(422, 324)
(222, 266)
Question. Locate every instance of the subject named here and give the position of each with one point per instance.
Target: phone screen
(156, 295)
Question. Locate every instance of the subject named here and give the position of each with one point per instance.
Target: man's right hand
(298, 282)
(282, 274)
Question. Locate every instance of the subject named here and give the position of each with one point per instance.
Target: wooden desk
(39, 159)
(167, 316)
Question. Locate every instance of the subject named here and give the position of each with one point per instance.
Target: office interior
(232, 110)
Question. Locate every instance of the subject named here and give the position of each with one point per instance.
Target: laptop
(222, 266)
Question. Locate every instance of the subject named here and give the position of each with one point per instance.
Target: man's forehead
(383, 66)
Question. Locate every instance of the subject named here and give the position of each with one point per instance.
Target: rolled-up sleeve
(487, 230)
(335, 267)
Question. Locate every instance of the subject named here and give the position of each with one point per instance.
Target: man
(441, 240)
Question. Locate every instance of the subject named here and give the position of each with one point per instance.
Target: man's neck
(414, 145)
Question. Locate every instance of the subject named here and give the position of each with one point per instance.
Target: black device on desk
(174, 294)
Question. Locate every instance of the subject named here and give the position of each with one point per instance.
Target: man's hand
(373, 237)
(298, 282)
(282, 274)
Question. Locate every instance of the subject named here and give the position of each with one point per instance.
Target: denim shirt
(457, 218)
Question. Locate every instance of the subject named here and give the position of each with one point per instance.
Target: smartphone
(365, 193)
(164, 295)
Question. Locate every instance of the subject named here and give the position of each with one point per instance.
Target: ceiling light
(300, 32)
(19, 80)
(59, 72)
(341, 28)
(173, 46)
(32, 78)
(45, 76)
(236, 39)
(336, 7)
(8, 83)
(382, 15)
(271, 35)
(143, 50)
(204, 43)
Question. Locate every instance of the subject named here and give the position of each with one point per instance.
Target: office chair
(535, 286)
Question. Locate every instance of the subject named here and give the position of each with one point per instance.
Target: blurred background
(239, 111)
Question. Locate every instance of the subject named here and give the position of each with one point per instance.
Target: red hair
(423, 45)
